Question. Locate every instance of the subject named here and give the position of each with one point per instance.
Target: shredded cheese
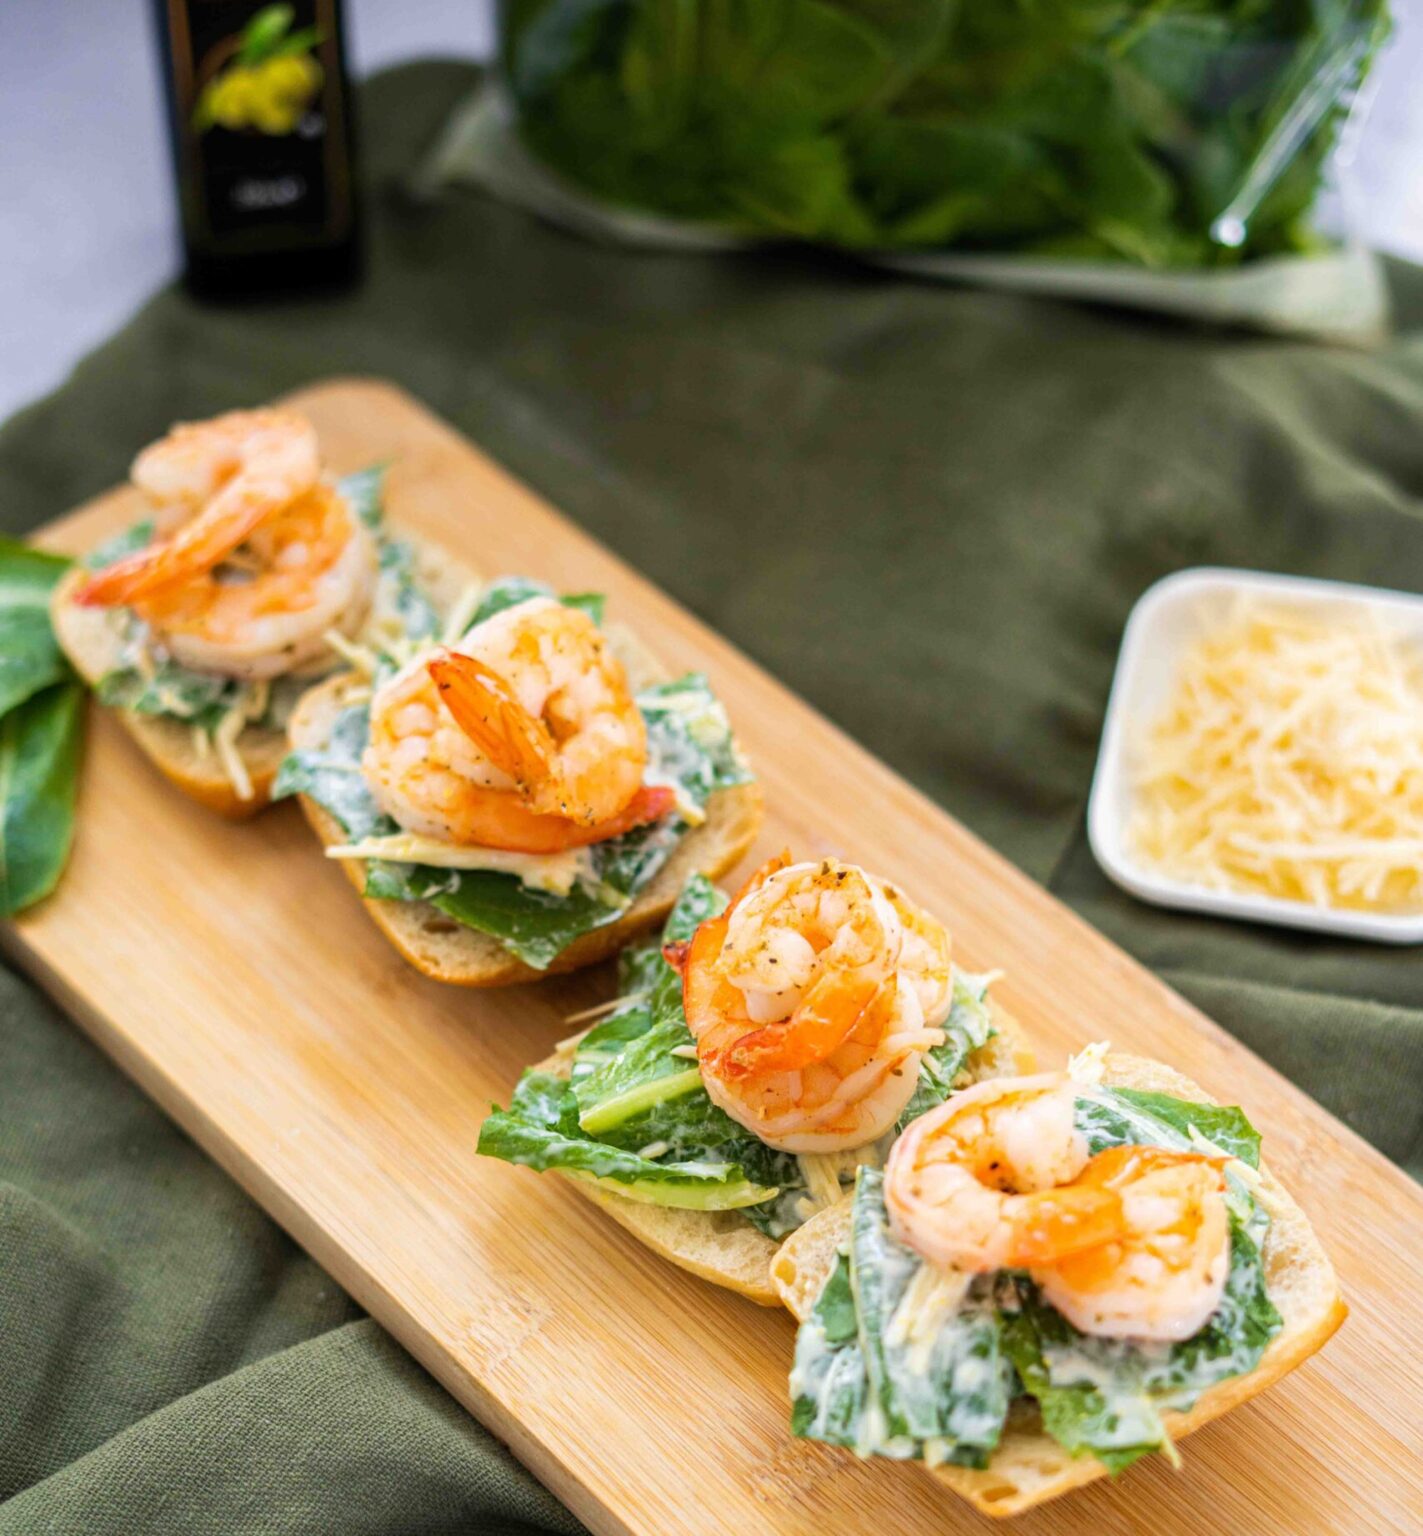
(1289, 763)
(1089, 1064)
(360, 658)
(556, 873)
(224, 740)
(458, 619)
(929, 1301)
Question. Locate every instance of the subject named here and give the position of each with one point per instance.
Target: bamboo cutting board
(232, 971)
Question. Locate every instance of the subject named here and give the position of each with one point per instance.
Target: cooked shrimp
(267, 561)
(1131, 1243)
(545, 700)
(227, 475)
(558, 686)
(1164, 1275)
(985, 1181)
(810, 1008)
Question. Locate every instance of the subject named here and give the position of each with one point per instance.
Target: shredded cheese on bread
(1289, 763)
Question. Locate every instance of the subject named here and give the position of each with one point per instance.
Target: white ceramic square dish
(1166, 618)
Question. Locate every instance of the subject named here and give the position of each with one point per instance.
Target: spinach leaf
(41, 741)
(41, 731)
(1181, 133)
(30, 658)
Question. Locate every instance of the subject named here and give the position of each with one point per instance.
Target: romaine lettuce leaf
(1126, 1114)
(967, 1028)
(1106, 1396)
(540, 1130)
(867, 1378)
(1100, 1397)
(952, 1390)
(829, 1383)
(634, 1083)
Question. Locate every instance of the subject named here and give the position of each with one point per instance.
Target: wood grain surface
(232, 972)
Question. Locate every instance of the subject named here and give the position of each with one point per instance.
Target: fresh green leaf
(129, 542)
(689, 745)
(1098, 131)
(263, 32)
(30, 658)
(1110, 1117)
(1106, 1396)
(540, 1130)
(40, 745)
(365, 491)
(510, 591)
(1097, 1396)
(829, 1383)
(865, 1380)
(967, 1029)
(956, 1392)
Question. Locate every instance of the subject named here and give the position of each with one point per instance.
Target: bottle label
(261, 123)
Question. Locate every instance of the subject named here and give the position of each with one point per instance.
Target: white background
(86, 222)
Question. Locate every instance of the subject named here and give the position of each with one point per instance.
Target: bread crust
(1029, 1467)
(87, 638)
(721, 1246)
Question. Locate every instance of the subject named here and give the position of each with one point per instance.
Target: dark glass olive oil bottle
(260, 116)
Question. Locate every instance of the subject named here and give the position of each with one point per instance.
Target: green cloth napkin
(927, 509)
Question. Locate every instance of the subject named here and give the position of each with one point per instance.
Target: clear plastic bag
(1160, 153)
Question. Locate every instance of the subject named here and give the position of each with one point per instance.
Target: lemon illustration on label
(270, 81)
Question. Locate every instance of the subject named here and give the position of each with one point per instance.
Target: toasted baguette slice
(1029, 1466)
(89, 639)
(722, 1246)
(448, 951)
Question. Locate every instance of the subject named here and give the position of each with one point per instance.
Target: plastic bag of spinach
(1163, 154)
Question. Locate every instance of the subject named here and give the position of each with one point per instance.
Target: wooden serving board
(231, 970)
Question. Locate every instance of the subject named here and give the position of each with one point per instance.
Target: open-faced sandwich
(822, 1013)
(204, 623)
(1052, 1277)
(524, 796)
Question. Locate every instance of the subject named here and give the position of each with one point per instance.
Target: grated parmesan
(1289, 763)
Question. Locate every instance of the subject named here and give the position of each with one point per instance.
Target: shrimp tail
(194, 550)
(1060, 1222)
(487, 711)
(826, 1017)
